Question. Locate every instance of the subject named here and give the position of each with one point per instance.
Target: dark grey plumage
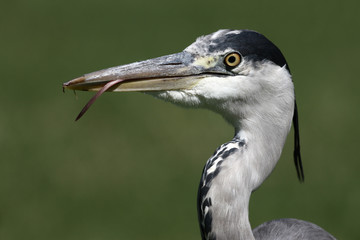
(290, 229)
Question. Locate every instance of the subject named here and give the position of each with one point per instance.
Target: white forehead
(202, 44)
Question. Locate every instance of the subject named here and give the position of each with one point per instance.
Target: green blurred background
(130, 168)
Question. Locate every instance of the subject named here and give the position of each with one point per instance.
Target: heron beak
(172, 72)
(178, 71)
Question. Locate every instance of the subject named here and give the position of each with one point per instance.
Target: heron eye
(232, 59)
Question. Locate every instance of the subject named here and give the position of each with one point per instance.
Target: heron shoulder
(289, 228)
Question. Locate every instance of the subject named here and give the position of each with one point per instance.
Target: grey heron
(243, 76)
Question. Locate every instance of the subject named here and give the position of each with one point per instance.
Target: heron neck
(265, 139)
(238, 168)
(224, 194)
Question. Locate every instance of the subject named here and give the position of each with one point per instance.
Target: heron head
(228, 65)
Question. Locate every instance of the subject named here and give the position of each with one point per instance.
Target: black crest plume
(297, 156)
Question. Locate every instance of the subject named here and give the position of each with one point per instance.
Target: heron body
(244, 77)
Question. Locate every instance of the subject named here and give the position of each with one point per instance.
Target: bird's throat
(235, 170)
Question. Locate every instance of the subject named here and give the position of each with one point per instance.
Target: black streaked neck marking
(210, 171)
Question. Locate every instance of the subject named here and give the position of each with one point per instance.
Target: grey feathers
(290, 229)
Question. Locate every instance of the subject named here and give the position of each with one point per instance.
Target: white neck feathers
(262, 124)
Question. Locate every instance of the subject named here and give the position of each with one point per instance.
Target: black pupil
(232, 59)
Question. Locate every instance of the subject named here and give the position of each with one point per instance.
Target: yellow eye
(233, 59)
